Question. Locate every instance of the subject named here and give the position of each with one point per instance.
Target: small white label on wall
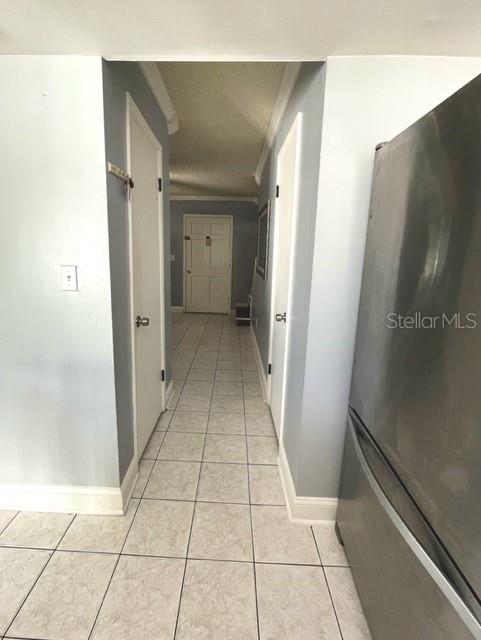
(172, 257)
(69, 277)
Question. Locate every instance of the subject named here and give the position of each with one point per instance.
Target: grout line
(327, 584)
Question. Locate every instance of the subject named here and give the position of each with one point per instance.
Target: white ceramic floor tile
(294, 603)
(252, 389)
(226, 375)
(346, 601)
(204, 363)
(226, 423)
(36, 530)
(262, 450)
(152, 449)
(223, 483)
(160, 528)
(231, 365)
(142, 600)
(173, 480)
(5, 518)
(145, 467)
(227, 404)
(218, 602)
(250, 376)
(179, 373)
(265, 485)
(255, 406)
(99, 533)
(228, 388)
(331, 552)
(225, 448)
(221, 532)
(66, 598)
(198, 387)
(182, 446)
(259, 425)
(201, 374)
(278, 540)
(164, 421)
(19, 568)
(191, 402)
(189, 421)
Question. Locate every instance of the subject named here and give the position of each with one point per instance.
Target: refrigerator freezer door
(404, 595)
(417, 369)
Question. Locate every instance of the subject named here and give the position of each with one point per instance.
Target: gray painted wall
(119, 78)
(57, 395)
(307, 98)
(244, 242)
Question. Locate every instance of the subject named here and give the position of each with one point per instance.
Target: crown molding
(217, 198)
(154, 79)
(285, 90)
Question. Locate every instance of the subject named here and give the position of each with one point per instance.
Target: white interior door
(284, 234)
(147, 275)
(208, 262)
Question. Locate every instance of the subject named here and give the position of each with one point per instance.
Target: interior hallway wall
(367, 100)
(244, 248)
(57, 393)
(119, 78)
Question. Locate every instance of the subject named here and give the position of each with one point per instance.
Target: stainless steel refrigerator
(410, 505)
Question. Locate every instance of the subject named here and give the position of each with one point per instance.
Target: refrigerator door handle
(358, 434)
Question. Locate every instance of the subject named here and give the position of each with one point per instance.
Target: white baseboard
(260, 366)
(170, 391)
(177, 309)
(61, 498)
(303, 510)
(128, 483)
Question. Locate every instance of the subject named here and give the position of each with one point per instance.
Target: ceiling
(240, 30)
(224, 111)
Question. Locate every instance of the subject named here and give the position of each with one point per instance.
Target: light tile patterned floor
(205, 550)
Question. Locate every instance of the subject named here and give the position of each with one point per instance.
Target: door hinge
(160, 184)
(269, 369)
(277, 191)
(186, 237)
(162, 375)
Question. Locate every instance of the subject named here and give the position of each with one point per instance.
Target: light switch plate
(69, 277)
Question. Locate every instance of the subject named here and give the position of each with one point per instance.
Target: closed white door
(284, 234)
(147, 275)
(208, 260)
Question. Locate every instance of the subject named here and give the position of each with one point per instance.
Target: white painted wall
(57, 399)
(367, 100)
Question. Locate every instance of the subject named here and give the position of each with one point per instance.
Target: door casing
(133, 111)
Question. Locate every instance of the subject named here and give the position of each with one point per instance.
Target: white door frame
(184, 274)
(133, 111)
(296, 128)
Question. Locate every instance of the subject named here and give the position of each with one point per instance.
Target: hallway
(208, 491)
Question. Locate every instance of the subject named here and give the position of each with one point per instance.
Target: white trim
(260, 366)
(170, 391)
(154, 79)
(231, 242)
(285, 90)
(61, 498)
(128, 483)
(133, 111)
(216, 198)
(303, 510)
(177, 309)
(296, 129)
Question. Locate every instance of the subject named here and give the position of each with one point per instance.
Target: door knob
(281, 317)
(142, 322)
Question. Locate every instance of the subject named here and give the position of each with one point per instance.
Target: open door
(147, 275)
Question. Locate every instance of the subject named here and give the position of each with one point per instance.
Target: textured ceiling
(224, 110)
(242, 29)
